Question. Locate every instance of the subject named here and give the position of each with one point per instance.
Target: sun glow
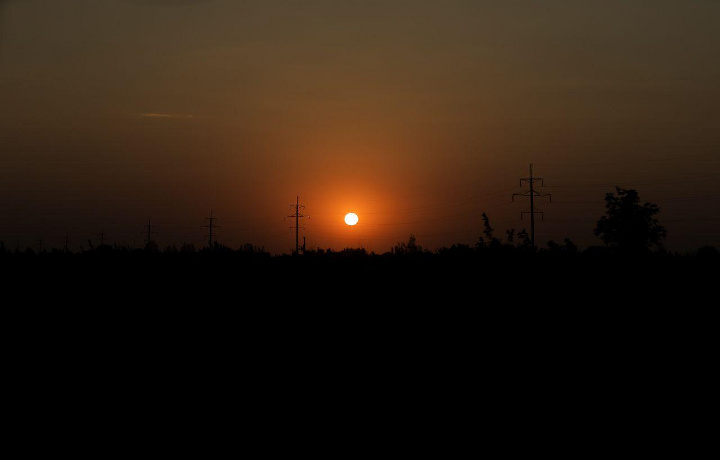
(351, 218)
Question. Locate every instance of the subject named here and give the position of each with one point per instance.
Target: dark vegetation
(602, 323)
(630, 267)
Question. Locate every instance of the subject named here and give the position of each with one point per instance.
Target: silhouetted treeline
(491, 248)
(631, 267)
(525, 321)
(487, 265)
(488, 310)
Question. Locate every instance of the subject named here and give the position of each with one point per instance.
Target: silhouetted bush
(629, 226)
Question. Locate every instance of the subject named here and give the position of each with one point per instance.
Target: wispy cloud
(168, 2)
(165, 115)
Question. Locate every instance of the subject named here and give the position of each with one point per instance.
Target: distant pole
(67, 238)
(297, 206)
(297, 221)
(532, 194)
(102, 237)
(149, 232)
(210, 227)
(532, 210)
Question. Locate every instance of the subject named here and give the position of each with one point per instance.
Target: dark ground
(529, 350)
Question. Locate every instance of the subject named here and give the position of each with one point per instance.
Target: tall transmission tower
(297, 206)
(210, 227)
(532, 193)
(149, 232)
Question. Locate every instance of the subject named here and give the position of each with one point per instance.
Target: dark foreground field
(203, 345)
(338, 283)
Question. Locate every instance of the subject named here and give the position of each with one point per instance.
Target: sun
(351, 218)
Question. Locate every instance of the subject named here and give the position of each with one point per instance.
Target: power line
(457, 202)
(704, 178)
(297, 217)
(532, 194)
(149, 232)
(210, 226)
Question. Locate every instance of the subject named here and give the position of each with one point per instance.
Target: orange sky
(418, 116)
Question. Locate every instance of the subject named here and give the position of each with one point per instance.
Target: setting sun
(351, 218)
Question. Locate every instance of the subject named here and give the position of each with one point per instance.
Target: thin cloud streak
(165, 115)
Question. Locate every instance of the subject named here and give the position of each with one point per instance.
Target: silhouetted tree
(569, 246)
(708, 253)
(510, 235)
(456, 250)
(524, 239)
(629, 225)
(353, 253)
(487, 229)
(152, 247)
(488, 232)
(553, 247)
(412, 245)
(410, 248)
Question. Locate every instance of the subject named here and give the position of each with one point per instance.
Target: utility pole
(297, 217)
(67, 240)
(210, 226)
(532, 194)
(149, 232)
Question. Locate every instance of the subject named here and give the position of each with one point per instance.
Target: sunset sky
(416, 115)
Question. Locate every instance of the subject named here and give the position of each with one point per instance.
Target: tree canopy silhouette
(629, 225)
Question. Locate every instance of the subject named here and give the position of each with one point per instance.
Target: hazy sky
(417, 115)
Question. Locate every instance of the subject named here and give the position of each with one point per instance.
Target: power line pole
(297, 217)
(67, 241)
(532, 194)
(210, 226)
(102, 237)
(150, 232)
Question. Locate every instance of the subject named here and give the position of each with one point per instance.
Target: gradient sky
(417, 115)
